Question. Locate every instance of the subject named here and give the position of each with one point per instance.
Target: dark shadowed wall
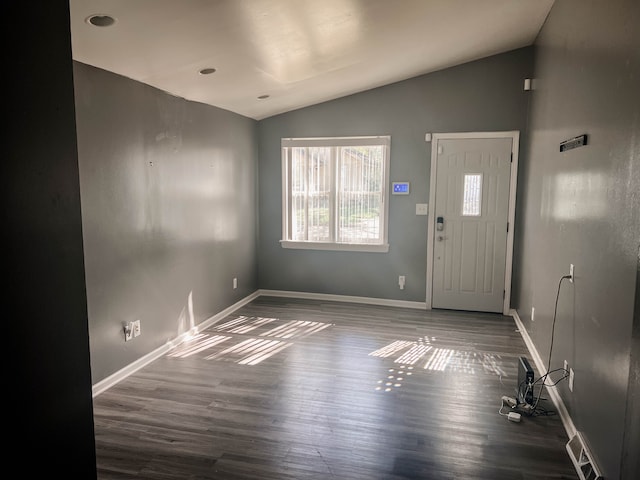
(47, 381)
(582, 207)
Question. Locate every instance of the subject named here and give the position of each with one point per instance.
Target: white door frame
(435, 138)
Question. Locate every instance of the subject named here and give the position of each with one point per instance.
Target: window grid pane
(319, 194)
(335, 191)
(310, 194)
(472, 195)
(298, 194)
(360, 194)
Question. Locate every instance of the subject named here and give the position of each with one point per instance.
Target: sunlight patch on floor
(248, 351)
(197, 344)
(436, 359)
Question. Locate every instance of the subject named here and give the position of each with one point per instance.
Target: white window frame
(286, 143)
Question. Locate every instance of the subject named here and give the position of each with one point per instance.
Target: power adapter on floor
(513, 417)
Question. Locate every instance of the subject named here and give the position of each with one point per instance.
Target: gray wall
(46, 374)
(168, 191)
(486, 95)
(631, 442)
(582, 207)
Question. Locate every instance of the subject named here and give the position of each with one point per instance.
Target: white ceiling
(299, 52)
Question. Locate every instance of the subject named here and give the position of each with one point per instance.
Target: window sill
(344, 247)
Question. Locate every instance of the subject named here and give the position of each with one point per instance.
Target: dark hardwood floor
(302, 389)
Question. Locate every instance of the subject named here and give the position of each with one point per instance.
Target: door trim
(513, 182)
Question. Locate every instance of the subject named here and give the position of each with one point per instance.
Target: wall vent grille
(582, 459)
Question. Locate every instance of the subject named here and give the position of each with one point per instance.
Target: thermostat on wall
(400, 188)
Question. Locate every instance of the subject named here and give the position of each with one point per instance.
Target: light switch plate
(422, 209)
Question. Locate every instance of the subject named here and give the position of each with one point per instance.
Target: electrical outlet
(135, 326)
(571, 379)
(571, 273)
(401, 281)
(533, 314)
(128, 331)
(235, 283)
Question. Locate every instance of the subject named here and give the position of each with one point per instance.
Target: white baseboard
(120, 375)
(553, 392)
(227, 311)
(344, 298)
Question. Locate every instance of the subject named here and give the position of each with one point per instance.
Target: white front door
(470, 223)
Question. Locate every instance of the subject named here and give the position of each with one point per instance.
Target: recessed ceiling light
(262, 97)
(100, 20)
(207, 71)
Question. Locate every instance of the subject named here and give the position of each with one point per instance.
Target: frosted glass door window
(472, 195)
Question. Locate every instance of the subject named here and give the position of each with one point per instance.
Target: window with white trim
(334, 193)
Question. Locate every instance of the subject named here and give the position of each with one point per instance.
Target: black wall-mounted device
(575, 142)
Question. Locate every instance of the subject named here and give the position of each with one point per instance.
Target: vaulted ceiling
(273, 56)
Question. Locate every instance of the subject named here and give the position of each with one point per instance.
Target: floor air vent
(582, 459)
